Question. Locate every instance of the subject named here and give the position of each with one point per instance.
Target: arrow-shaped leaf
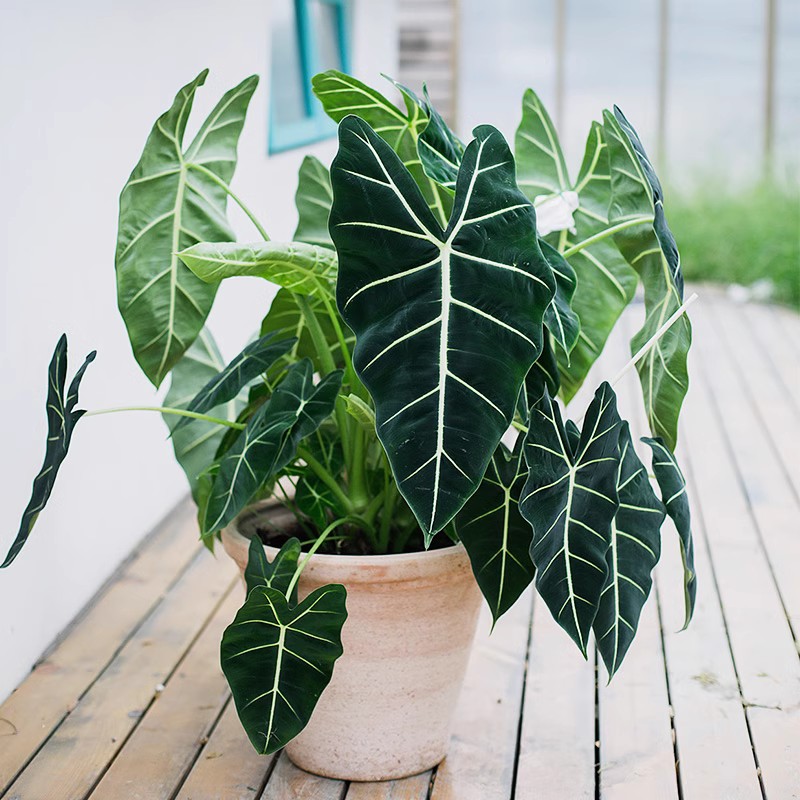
(570, 499)
(276, 574)
(634, 552)
(673, 492)
(61, 420)
(650, 249)
(296, 408)
(442, 358)
(301, 268)
(169, 203)
(224, 385)
(313, 200)
(495, 534)
(278, 659)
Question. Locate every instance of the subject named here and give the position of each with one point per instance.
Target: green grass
(739, 236)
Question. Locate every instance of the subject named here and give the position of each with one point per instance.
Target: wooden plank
(480, 763)
(769, 498)
(57, 682)
(228, 767)
(636, 750)
(414, 788)
(789, 324)
(164, 746)
(763, 650)
(557, 750)
(289, 782)
(79, 751)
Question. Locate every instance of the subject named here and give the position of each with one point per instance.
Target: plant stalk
(598, 237)
(175, 411)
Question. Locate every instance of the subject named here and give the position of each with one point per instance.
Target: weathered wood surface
(131, 703)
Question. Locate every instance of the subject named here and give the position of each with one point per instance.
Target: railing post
(770, 25)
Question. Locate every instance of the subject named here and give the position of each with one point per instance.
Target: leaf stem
(319, 470)
(302, 565)
(239, 202)
(178, 412)
(604, 234)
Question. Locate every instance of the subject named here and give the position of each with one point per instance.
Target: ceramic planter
(411, 619)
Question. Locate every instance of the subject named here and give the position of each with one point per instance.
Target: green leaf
(301, 268)
(440, 150)
(673, 492)
(495, 534)
(61, 420)
(296, 408)
(605, 281)
(167, 205)
(278, 658)
(313, 200)
(276, 574)
(570, 499)
(226, 383)
(361, 412)
(650, 249)
(196, 441)
(543, 374)
(634, 552)
(429, 335)
(342, 95)
(315, 499)
(286, 319)
(541, 168)
(561, 321)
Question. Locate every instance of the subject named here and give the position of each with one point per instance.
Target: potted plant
(436, 297)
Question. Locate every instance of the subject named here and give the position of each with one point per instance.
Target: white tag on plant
(554, 212)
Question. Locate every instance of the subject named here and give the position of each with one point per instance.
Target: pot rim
(328, 559)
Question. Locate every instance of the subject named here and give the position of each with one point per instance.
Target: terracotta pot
(388, 709)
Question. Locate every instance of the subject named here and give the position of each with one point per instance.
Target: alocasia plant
(437, 296)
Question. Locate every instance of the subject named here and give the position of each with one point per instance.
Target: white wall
(81, 84)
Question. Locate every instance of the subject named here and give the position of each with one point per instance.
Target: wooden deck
(131, 703)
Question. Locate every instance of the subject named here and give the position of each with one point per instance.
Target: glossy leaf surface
(495, 534)
(276, 574)
(62, 416)
(673, 492)
(442, 357)
(570, 499)
(167, 205)
(279, 657)
(634, 552)
(313, 200)
(561, 321)
(296, 408)
(650, 248)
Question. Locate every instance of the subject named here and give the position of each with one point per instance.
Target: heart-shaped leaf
(429, 335)
(495, 534)
(296, 408)
(278, 658)
(570, 499)
(169, 203)
(313, 200)
(651, 250)
(225, 384)
(673, 492)
(61, 420)
(276, 574)
(301, 268)
(634, 552)
(195, 441)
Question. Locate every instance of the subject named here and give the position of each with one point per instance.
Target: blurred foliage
(740, 236)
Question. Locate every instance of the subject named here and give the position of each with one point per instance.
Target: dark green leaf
(225, 384)
(167, 205)
(673, 492)
(543, 373)
(605, 281)
(196, 441)
(634, 552)
(650, 248)
(315, 499)
(296, 409)
(443, 358)
(313, 200)
(570, 499)
(276, 574)
(495, 534)
(440, 150)
(278, 659)
(301, 268)
(61, 420)
(561, 321)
